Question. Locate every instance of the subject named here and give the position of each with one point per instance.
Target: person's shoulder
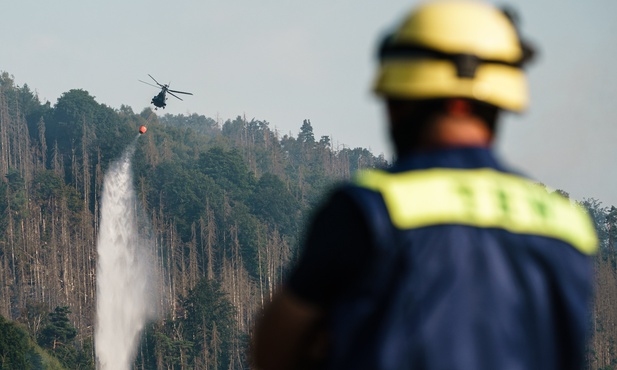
(348, 193)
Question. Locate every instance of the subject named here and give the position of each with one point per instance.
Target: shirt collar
(463, 158)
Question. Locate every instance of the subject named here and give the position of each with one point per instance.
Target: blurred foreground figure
(447, 260)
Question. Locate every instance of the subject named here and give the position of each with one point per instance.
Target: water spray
(125, 298)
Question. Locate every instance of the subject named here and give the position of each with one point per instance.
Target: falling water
(124, 273)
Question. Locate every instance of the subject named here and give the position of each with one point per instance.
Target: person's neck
(457, 131)
(450, 132)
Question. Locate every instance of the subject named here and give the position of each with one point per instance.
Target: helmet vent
(466, 65)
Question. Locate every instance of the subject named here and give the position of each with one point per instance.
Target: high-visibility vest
(480, 197)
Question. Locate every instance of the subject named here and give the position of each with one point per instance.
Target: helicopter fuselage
(159, 100)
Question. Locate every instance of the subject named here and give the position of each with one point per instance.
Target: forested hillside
(226, 203)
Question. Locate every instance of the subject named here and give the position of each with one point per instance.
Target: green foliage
(7, 81)
(33, 316)
(198, 124)
(17, 201)
(41, 360)
(71, 115)
(79, 124)
(59, 330)
(274, 204)
(47, 186)
(83, 359)
(325, 141)
(17, 351)
(50, 192)
(14, 346)
(359, 158)
(57, 336)
(306, 133)
(14, 202)
(228, 170)
(22, 102)
(598, 215)
(235, 129)
(174, 352)
(244, 227)
(203, 334)
(209, 322)
(182, 193)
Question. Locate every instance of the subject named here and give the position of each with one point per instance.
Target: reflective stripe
(483, 198)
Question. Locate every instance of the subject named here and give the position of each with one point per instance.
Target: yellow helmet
(462, 49)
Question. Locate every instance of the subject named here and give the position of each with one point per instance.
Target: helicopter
(159, 99)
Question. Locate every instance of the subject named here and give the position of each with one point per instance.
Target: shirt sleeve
(336, 250)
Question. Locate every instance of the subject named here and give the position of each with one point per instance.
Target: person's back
(447, 260)
(471, 268)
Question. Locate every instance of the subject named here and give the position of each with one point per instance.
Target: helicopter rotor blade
(174, 95)
(155, 81)
(180, 92)
(148, 83)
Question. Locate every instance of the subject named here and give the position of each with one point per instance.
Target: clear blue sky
(286, 61)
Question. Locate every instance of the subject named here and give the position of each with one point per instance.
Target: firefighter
(448, 259)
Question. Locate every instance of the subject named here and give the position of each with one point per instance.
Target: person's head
(447, 71)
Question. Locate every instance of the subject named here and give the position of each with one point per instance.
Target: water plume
(124, 271)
